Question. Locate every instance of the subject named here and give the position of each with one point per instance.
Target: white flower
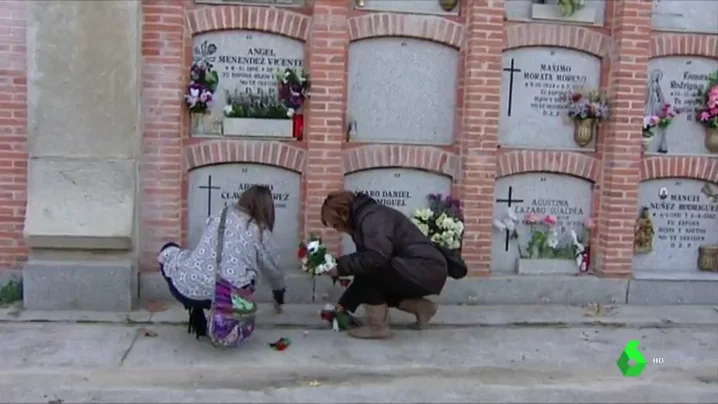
(329, 307)
(436, 238)
(552, 239)
(459, 227)
(499, 225)
(290, 112)
(313, 246)
(512, 215)
(305, 261)
(320, 269)
(510, 225)
(228, 109)
(194, 92)
(423, 214)
(328, 258)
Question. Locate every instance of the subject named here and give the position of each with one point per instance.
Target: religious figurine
(655, 100)
(643, 232)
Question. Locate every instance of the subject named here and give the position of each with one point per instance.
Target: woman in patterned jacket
(249, 250)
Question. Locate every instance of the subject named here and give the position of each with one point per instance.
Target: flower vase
(711, 140)
(583, 132)
(198, 123)
(646, 142)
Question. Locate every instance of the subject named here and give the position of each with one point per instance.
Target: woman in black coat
(395, 264)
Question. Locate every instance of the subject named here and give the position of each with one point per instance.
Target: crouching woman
(241, 235)
(395, 264)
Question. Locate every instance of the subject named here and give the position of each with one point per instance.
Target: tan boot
(423, 309)
(377, 327)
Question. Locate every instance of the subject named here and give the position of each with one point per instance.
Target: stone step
(307, 316)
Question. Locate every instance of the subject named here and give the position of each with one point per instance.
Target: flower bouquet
(316, 261)
(337, 317)
(293, 90)
(662, 120)
(314, 257)
(587, 110)
(442, 221)
(708, 112)
(253, 106)
(203, 83)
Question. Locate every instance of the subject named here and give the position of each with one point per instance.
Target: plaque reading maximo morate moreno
(534, 88)
(247, 62)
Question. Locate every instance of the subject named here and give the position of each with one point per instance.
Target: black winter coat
(384, 238)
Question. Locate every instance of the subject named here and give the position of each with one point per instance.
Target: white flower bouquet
(442, 221)
(314, 257)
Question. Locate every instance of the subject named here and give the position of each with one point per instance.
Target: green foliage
(11, 292)
(568, 7)
(538, 248)
(211, 80)
(254, 106)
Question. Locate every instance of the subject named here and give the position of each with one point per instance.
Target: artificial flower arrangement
(337, 317)
(200, 91)
(662, 120)
(568, 7)
(314, 257)
(293, 90)
(587, 105)
(587, 110)
(708, 113)
(254, 106)
(544, 238)
(442, 221)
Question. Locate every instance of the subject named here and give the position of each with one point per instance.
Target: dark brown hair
(258, 203)
(337, 208)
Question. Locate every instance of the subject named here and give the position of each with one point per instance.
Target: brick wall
(625, 44)
(13, 133)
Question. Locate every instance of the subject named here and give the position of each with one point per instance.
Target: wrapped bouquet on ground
(339, 320)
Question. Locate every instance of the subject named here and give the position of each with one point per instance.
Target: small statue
(644, 232)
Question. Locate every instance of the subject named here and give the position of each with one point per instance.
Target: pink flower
(714, 110)
(550, 220)
(653, 120)
(704, 116)
(531, 218)
(589, 223)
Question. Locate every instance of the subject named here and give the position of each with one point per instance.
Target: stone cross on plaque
(209, 189)
(512, 69)
(509, 201)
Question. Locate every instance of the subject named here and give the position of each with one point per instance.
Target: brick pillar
(161, 176)
(631, 31)
(478, 138)
(325, 127)
(13, 133)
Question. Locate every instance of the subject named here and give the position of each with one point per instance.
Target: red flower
(327, 315)
(576, 97)
(302, 252)
(344, 282)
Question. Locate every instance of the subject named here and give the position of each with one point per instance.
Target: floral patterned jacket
(247, 253)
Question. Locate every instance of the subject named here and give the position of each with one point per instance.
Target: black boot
(197, 322)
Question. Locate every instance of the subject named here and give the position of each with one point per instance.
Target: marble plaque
(402, 90)
(566, 197)
(213, 187)
(678, 80)
(294, 3)
(247, 62)
(403, 189)
(685, 15)
(535, 86)
(526, 10)
(683, 218)
(414, 7)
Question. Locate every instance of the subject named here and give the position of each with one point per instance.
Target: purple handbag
(233, 311)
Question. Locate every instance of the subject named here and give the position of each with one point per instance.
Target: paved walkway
(569, 362)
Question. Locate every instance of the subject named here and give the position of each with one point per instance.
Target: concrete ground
(509, 354)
